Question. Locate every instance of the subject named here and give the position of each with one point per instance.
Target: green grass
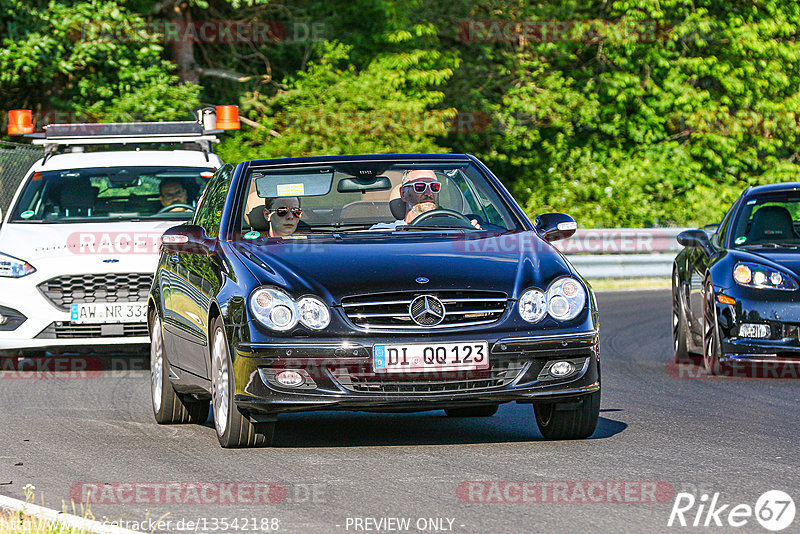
(622, 284)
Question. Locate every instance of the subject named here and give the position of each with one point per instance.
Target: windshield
(372, 197)
(771, 220)
(111, 193)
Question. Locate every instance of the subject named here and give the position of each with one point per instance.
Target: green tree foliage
(335, 108)
(75, 57)
(634, 112)
(619, 112)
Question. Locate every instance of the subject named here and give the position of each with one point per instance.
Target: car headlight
(13, 268)
(566, 298)
(762, 277)
(313, 313)
(274, 309)
(532, 305)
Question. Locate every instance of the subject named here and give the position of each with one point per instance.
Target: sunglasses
(283, 212)
(419, 187)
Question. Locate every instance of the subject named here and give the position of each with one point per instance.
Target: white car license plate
(109, 312)
(431, 357)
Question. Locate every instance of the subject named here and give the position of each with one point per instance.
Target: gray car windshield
(371, 198)
(111, 193)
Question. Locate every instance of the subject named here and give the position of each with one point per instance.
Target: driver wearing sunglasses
(282, 214)
(420, 192)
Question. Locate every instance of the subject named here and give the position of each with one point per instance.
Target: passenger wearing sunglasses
(282, 214)
(420, 193)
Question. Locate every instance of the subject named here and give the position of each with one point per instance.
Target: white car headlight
(566, 298)
(762, 277)
(274, 309)
(13, 268)
(532, 305)
(313, 313)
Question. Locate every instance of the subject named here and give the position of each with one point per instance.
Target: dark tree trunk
(183, 44)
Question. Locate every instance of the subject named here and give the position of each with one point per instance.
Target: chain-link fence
(15, 160)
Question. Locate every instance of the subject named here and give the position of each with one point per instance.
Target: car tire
(234, 429)
(680, 352)
(487, 410)
(712, 350)
(169, 407)
(565, 421)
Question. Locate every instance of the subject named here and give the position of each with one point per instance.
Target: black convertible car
(735, 296)
(381, 283)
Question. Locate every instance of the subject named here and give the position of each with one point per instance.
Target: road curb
(60, 518)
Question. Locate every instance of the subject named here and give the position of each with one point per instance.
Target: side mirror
(555, 226)
(187, 238)
(694, 238)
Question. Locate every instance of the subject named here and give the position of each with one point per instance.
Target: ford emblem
(111, 260)
(422, 280)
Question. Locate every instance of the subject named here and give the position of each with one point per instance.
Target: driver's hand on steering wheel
(476, 224)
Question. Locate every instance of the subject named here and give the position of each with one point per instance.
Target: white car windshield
(111, 193)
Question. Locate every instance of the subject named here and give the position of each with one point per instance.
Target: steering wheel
(178, 205)
(440, 212)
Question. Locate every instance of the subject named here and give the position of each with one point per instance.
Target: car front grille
(500, 375)
(391, 310)
(89, 288)
(69, 330)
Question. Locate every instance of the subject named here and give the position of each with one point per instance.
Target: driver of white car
(172, 192)
(419, 191)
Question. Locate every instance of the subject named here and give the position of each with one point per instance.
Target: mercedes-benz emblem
(426, 310)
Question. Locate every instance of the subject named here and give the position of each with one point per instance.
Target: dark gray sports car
(735, 292)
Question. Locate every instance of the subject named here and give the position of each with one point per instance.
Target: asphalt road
(673, 430)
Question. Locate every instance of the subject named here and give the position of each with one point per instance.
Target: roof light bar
(209, 122)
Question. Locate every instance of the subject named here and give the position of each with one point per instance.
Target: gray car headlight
(274, 309)
(313, 313)
(532, 305)
(11, 267)
(566, 298)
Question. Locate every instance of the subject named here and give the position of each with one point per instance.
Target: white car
(80, 242)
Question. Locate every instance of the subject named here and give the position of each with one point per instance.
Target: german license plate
(423, 357)
(110, 312)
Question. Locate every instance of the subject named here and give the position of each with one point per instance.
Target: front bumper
(776, 309)
(343, 378)
(39, 324)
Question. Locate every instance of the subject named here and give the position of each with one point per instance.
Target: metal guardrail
(622, 252)
(624, 265)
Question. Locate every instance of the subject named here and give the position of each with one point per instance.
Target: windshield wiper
(410, 228)
(771, 244)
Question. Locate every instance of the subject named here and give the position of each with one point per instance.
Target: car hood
(510, 262)
(788, 259)
(94, 247)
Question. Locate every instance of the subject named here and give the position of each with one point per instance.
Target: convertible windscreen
(364, 197)
(111, 193)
